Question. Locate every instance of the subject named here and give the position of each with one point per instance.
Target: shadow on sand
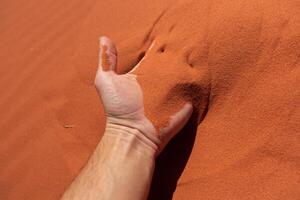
(172, 161)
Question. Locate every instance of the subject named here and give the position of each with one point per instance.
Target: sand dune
(238, 62)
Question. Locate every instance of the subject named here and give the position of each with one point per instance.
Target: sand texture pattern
(236, 61)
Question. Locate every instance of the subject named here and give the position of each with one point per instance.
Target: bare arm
(121, 167)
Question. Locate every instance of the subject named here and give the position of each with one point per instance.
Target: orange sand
(237, 61)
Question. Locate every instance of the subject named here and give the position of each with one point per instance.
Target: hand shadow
(172, 161)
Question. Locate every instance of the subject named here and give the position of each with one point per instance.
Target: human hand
(122, 98)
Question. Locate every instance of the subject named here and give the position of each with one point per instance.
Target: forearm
(120, 168)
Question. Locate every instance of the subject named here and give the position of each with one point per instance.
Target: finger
(107, 54)
(177, 122)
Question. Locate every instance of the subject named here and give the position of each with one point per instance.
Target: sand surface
(237, 61)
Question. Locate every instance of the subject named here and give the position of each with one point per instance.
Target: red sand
(239, 58)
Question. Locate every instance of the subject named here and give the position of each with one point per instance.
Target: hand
(122, 98)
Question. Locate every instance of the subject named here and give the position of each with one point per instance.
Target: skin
(123, 162)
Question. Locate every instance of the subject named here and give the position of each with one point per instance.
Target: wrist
(125, 159)
(135, 140)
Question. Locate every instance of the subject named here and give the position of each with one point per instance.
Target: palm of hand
(121, 95)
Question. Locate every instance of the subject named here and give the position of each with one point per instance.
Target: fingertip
(103, 39)
(183, 115)
(188, 108)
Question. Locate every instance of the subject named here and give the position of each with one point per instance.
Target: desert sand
(237, 61)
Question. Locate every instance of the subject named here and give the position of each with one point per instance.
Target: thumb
(176, 123)
(107, 55)
(107, 61)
